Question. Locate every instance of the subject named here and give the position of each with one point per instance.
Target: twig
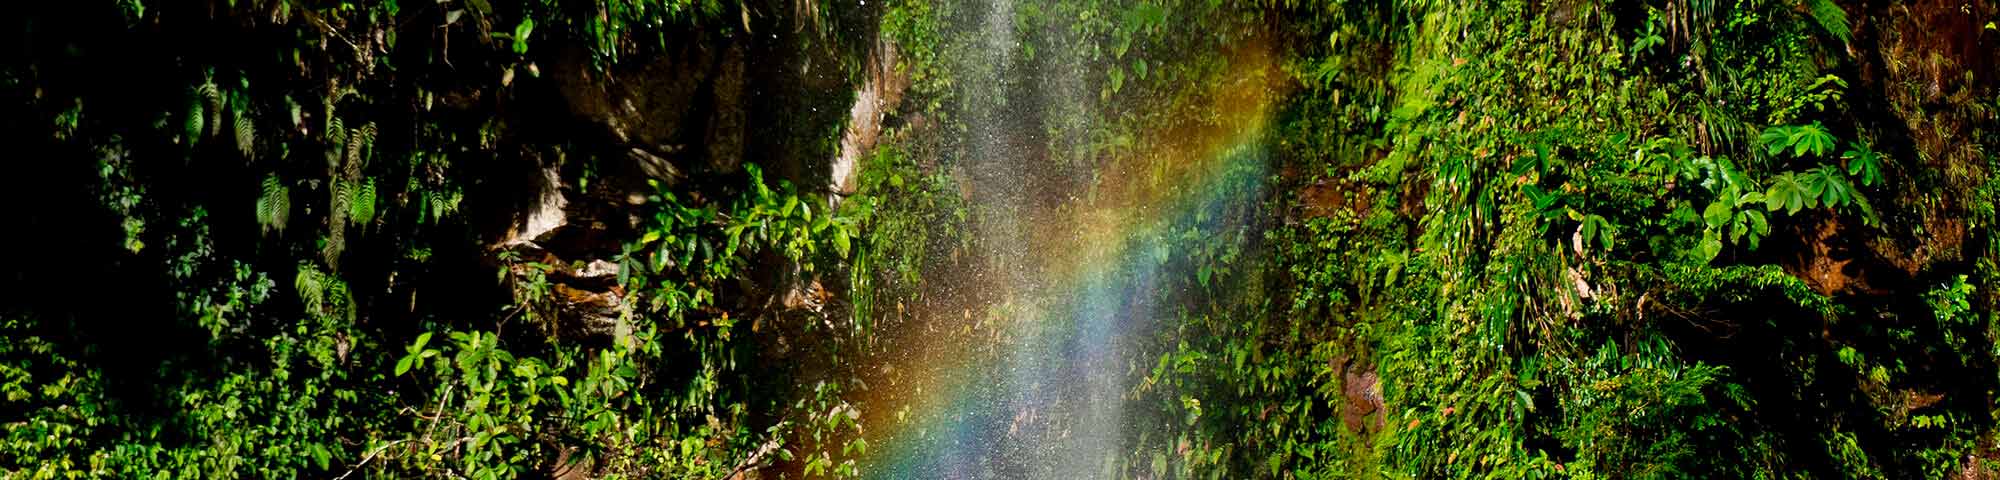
(330, 31)
(755, 457)
(370, 456)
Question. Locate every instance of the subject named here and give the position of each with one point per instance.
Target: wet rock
(592, 313)
(880, 94)
(1362, 412)
(544, 214)
(1331, 198)
(656, 106)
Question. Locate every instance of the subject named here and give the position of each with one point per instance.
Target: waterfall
(1034, 384)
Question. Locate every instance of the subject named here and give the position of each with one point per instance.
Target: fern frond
(362, 206)
(1830, 17)
(336, 242)
(211, 98)
(274, 206)
(358, 141)
(196, 117)
(430, 204)
(343, 300)
(336, 131)
(311, 291)
(340, 203)
(246, 133)
(441, 204)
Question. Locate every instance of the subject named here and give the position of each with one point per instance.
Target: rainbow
(1036, 386)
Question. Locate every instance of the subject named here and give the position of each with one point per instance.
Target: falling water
(1035, 384)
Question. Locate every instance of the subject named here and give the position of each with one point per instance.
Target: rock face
(879, 95)
(680, 108)
(664, 117)
(682, 113)
(1926, 58)
(544, 214)
(1362, 412)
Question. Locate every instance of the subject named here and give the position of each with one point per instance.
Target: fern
(196, 118)
(336, 131)
(211, 98)
(432, 206)
(311, 289)
(335, 244)
(342, 203)
(441, 204)
(246, 133)
(245, 127)
(358, 141)
(361, 201)
(343, 299)
(336, 236)
(274, 206)
(1830, 17)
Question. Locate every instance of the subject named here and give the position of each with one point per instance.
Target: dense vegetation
(501, 238)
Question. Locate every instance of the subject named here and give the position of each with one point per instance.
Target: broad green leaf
(1863, 163)
(1776, 139)
(1758, 222)
(1811, 138)
(1606, 232)
(195, 118)
(1589, 229)
(521, 33)
(1711, 245)
(1786, 194)
(841, 243)
(1717, 213)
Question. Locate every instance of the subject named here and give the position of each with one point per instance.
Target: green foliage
(1790, 194)
(1830, 17)
(1863, 163)
(1822, 186)
(194, 120)
(1594, 229)
(1727, 217)
(1500, 240)
(274, 206)
(369, 126)
(1800, 139)
(1642, 414)
(359, 197)
(1512, 337)
(245, 130)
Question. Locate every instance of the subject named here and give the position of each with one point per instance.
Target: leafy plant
(245, 130)
(1789, 193)
(274, 205)
(415, 354)
(1594, 229)
(1863, 163)
(1727, 218)
(1830, 17)
(1800, 139)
